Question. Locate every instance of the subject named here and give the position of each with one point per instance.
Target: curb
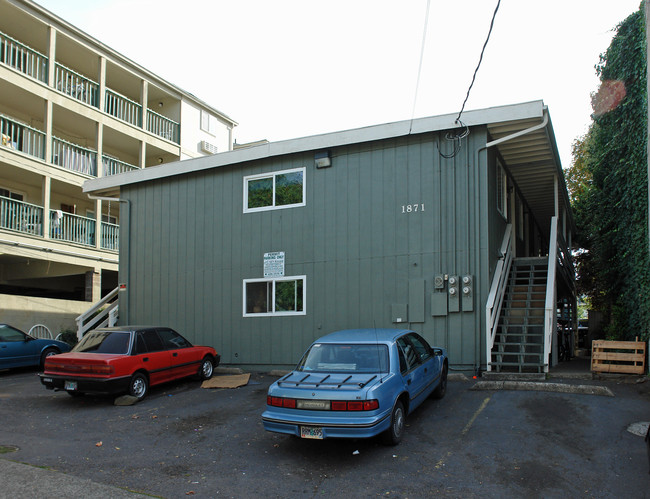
(543, 387)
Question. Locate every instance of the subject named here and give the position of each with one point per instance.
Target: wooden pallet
(626, 357)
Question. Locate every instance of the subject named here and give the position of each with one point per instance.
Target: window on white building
(276, 296)
(208, 123)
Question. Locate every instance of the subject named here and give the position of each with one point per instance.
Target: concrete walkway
(27, 482)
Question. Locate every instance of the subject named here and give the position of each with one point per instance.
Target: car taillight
(323, 405)
(100, 369)
(53, 366)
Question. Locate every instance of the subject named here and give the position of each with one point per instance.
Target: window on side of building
(208, 123)
(502, 191)
(273, 191)
(277, 296)
(16, 196)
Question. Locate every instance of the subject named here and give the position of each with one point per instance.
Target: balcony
(74, 157)
(123, 108)
(22, 138)
(22, 58)
(113, 166)
(163, 127)
(77, 86)
(21, 217)
(26, 218)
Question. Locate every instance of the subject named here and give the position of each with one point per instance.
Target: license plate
(70, 385)
(311, 432)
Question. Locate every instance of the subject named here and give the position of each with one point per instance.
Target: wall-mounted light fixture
(322, 159)
(160, 160)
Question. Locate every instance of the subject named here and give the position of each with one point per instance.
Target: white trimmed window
(274, 191)
(208, 123)
(502, 191)
(277, 296)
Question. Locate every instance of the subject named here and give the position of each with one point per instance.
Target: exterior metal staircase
(519, 340)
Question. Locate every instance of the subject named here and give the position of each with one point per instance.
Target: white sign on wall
(274, 264)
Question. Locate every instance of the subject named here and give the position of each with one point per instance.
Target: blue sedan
(18, 349)
(357, 383)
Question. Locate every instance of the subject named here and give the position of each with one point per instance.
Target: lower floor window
(278, 296)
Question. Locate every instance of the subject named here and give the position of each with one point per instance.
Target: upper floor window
(502, 191)
(208, 123)
(11, 195)
(272, 191)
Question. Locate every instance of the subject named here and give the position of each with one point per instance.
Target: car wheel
(48, 352)
(393, 435)
(207, 368)
(139, 386)
(441, 389)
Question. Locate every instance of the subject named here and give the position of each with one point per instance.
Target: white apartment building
(72, 109)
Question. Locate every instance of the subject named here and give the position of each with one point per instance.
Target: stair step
(515, 364)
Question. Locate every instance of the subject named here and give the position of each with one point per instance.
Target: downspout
(544, 122)
(125, 306)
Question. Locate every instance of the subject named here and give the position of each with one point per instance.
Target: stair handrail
(497, 291)
(103, 313)
(550, 313)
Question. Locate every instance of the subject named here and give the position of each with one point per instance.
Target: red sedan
(127, 359)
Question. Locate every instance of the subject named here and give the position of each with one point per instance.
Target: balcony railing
(76, 86)
(112, 166)
(72, 228)
(163, 126)
(74, 157)
(21, 217)
(123, 108)
(110, 236)
(22, 58)
(22, 137)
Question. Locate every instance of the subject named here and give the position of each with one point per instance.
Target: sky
(285, 69)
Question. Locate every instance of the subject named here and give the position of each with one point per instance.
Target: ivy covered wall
(609, 186)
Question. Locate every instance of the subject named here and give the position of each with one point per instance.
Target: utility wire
(417, 83)
(479, 61)
(456, 138)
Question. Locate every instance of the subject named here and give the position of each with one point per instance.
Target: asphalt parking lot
(183, 440)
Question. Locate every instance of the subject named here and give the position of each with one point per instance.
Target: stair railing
(550, 314)
(497, 292)
(101, 314)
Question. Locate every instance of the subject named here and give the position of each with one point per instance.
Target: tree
(609, 188)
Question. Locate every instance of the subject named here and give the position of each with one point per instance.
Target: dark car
(128, 359)
(357, 384)
(18, 349)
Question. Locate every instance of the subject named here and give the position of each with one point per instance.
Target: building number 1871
(412, 208)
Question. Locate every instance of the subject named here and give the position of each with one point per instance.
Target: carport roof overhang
(522, 134)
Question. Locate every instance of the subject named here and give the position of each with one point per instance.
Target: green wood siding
(191, 247)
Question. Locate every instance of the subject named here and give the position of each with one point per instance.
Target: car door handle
(146, 359)
(175, 354)
(408, 382)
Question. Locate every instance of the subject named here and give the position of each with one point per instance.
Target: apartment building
(73, 109)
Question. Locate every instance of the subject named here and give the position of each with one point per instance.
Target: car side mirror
(437, 352)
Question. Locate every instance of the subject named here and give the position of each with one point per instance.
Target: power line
(479, 61)
(417, 83)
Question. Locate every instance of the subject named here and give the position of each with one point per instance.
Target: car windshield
(345, 358)
(116, 342)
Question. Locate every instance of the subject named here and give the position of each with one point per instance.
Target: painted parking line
(468, 426)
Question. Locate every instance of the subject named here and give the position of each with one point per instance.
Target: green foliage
(69, 336)
(609, 188)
